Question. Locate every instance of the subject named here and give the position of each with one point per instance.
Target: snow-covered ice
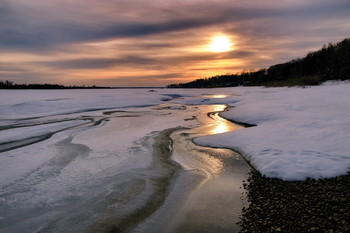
(20, 133)
(300, 132)
(96, 165)
(38, 103)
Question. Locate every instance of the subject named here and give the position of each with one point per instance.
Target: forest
(332, 62)
(10, 85)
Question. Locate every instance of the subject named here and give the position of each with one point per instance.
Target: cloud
(22, 29)
(27, 27)
(96, 63)
(132, 37)
(50, 35)
(139, 80)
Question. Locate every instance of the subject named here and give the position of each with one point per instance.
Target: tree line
(332, 62)
(10, 85)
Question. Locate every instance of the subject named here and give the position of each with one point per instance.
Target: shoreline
(311, 205)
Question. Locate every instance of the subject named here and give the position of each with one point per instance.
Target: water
(207, 194)
(125, 169)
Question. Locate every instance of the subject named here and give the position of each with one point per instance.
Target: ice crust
(300, 132)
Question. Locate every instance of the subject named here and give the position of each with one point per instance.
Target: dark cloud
(131, 61)
(32, 31)
(97, 63)
(141, 80)
(56, 34)
(238, 54)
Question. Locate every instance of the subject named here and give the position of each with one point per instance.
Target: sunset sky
(158, 42)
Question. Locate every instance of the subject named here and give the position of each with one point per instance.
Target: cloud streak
(97, 63)
(123, 38)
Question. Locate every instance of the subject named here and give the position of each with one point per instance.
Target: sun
(220, 44)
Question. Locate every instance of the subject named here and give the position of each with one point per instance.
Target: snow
(301, 132)
(16, 104)
(47, 184)
(21, 133)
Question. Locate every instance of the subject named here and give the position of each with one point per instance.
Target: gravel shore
(299, 206)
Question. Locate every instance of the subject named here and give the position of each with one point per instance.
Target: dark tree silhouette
(10, 85)
(332, 62)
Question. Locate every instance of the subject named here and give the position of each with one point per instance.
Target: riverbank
(296, 206)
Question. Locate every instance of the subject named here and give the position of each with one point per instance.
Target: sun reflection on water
(220, 128)
(219, 108)
(204, 159)
(221, 125)
(219, 96)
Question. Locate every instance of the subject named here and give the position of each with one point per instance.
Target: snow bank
(301, 132)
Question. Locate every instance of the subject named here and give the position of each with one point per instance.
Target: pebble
(296, 206)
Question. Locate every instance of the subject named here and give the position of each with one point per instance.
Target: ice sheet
(300, 132)
(107, 163)
(16, 134)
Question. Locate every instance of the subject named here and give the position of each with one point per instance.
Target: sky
(158, 42)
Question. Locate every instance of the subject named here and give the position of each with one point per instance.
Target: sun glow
(220, 44)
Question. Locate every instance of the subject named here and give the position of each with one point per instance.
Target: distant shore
(39, 86)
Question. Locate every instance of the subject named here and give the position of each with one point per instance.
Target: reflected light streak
(217, 97)
(221, 125)
(220, 96)
(220, 128)
(218, 108)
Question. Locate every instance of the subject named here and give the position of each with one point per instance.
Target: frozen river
(88, 163)
(124, 159)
